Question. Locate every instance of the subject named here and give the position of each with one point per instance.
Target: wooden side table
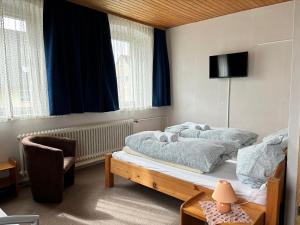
(9, 183)
(191, 213)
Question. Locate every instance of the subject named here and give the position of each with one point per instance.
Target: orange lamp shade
(224, 195)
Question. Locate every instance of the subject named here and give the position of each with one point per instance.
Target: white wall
(258, 102)
(148, 120)
(294, 130)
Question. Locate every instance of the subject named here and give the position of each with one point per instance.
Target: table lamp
(224, 195)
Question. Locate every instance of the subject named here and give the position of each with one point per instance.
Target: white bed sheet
(208, 180)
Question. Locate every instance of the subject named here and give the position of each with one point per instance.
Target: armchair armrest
(68, 146)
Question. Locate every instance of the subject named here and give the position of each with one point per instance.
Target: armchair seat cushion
(68, 163)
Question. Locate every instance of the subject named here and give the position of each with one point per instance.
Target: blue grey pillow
(190, 133)
(256, 163)
(281, 133)
(177, 129)
(242, 137)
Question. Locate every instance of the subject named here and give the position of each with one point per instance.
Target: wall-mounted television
(228, 65)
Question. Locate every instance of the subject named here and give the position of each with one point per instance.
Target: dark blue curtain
(161, 71)
(79, 59)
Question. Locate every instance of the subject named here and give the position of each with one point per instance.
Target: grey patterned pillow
(242, 137)
(256, 163)
(281, 133)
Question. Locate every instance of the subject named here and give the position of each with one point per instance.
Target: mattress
(208, 180)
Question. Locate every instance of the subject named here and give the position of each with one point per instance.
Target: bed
(197, 159)
(177, 184)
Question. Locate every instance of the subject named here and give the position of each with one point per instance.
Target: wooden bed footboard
(177, 188)
(184, 190)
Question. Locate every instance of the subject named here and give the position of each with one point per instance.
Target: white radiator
(93, 141)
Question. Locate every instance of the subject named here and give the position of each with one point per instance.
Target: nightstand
(8, 184)
(191, 213)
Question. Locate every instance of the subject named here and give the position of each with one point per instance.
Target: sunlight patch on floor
(133, 212)
(140, 203)
(75, 219)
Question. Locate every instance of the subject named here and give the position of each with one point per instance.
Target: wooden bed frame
(184, 190)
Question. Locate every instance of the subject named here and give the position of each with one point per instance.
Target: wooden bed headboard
(275, 187)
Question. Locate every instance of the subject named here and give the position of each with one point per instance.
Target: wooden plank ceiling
(171, 13)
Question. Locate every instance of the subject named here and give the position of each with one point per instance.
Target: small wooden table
(9, 182)
(191, 213)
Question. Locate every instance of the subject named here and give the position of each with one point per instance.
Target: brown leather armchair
(50, 165)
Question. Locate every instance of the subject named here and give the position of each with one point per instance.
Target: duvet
(201, 154)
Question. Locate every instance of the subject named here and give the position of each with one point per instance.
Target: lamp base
(223, 207)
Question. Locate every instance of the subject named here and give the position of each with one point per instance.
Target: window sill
(124, 110)
(137, 109)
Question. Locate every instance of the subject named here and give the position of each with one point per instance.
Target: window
(133, 53)
(23, 84)
(14, 24)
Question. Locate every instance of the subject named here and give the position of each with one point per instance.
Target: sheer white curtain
(133, 53)
(23, 83)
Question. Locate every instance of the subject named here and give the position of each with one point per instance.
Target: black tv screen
(229, 65)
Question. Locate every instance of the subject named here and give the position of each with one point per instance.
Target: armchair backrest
(67, 145)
